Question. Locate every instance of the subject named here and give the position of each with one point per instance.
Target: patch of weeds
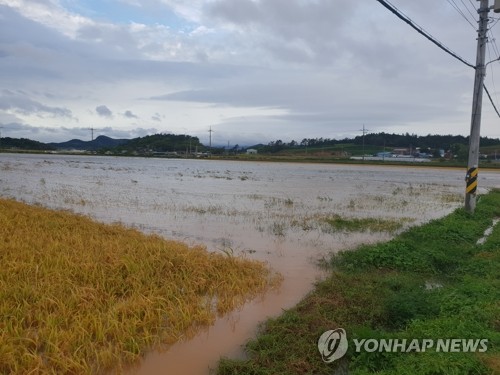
(364, 224)
(324, 199)
(255, 196)
(452, 198)
(397, 191)
(278, 202)
(303, 223)
(278, 229)
(6, 167)
(408, 300)
(352, 204)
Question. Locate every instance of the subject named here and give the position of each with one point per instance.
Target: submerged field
(289, 215)
(439, 281)
(77, 296)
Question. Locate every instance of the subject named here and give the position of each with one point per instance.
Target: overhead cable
(421, 31)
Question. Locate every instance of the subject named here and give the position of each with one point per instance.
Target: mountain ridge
(100, 142)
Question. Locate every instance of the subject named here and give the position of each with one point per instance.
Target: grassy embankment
(430, 282)
(80, 297)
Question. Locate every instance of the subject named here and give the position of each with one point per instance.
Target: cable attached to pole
(491, 100)
(421, 31)
(428, 36)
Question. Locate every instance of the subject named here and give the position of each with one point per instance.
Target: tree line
(426, 142)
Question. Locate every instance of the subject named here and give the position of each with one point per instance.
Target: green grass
(379, 291)
(364, 224)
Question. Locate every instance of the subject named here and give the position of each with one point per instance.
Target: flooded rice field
(274, 212)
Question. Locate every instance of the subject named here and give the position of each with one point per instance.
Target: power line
(495, 21)
(455, 6)
(494, 46)
(491, 100)
(468, 10)
(492, 75)
(421, 31)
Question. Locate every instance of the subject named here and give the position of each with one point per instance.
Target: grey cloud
(239, 12)
(157, 117)
(20, 103)
(103, 53)
(130, 114)
(62, 134)
(332, 100)
(42, 134)
(104, 111)
(127, 134)
(332, 33)
(320, 63)
(316, 27)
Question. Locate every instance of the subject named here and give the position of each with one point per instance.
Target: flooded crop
(272, 212)
(77, 296)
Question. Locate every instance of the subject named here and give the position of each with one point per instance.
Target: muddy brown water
(271, 212)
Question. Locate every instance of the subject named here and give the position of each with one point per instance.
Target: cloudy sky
(253, 70)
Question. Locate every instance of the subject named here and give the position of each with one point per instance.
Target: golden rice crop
(81, 297)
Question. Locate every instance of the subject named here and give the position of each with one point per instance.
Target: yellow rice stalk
(80, 297)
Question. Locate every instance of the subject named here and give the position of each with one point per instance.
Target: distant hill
(24, 144)
(99, 143)
(161, 143)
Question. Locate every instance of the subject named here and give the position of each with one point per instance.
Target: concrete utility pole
(477, 100)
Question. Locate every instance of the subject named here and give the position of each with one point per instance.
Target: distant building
(251, 151)
(385, 154)
(401, 151)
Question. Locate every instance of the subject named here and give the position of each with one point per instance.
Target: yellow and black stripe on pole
(471, 180)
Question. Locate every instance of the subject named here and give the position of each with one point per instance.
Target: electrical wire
(421, 31)
(459, 11)
(494, 43)
(491, 70)
(494, 47)
(491, 100)
(428, 36)
(495, 21)
(468, 10)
